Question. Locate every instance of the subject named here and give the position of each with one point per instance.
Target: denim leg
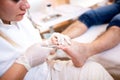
(115, 21)
(100, 15)
(117, 1)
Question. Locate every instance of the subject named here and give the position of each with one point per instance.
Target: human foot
(77, 51)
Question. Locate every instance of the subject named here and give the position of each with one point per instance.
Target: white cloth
(65, 70)
(110, 59)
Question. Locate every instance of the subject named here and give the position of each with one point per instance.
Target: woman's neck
(6, 22)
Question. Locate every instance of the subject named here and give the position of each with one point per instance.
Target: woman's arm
(16, 72)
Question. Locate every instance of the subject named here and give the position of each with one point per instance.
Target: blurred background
(56, 15)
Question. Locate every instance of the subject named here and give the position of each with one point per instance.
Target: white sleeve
(8, 55)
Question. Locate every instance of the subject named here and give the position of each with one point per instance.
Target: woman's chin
(19, 19)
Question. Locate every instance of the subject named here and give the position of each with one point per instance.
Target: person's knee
(88, 18)
(115, 21)
(116, 18)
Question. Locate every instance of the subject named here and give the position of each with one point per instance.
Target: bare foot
(77, 51)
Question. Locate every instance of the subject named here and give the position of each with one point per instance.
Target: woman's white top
(24, 34)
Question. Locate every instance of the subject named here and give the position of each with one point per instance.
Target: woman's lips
(22, 14)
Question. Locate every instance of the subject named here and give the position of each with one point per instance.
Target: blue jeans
(107, 14)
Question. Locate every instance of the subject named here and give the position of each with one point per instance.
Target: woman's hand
(34, 55)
